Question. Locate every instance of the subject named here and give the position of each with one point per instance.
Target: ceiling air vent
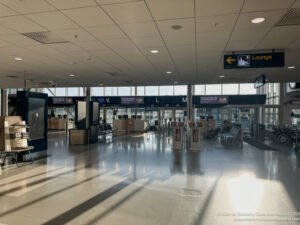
(45, 37)
(292, 17)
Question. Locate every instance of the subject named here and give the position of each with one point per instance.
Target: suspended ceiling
(109, 41)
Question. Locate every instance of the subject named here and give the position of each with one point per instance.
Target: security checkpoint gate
(196, 136)
(177, 135)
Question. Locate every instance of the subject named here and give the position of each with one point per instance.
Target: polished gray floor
(139, 179)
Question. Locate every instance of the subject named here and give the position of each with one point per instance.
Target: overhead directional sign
(259, 60)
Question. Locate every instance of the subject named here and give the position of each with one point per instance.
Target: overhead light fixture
(221, 76)
(101, 84)
(18, 59)
(291, 67)
(175, 82)
(154, 51)
(71, 75)
(169, 72)
(258, 20)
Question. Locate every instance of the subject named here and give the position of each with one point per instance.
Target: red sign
(177, 134)
(195, 135)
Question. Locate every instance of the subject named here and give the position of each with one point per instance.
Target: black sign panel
(260, 60)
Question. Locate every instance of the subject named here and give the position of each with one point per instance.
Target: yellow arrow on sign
(229, 60)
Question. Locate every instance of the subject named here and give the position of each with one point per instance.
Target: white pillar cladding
(285, 108)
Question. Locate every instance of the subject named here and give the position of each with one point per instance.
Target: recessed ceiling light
(101, 84)
(221, 76)
(154, 51)
(71, 75)
(168, 72)
(258, 20)
(18, 59)
(175, 82)
(291, 67)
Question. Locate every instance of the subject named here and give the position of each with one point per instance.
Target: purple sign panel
(214, 100)
(62, 101)
(132, 100)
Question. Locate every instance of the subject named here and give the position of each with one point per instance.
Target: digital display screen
(62, 101)
(260, 81)
(244, 61)
(214, 100)
(132, 100)
(101, 100)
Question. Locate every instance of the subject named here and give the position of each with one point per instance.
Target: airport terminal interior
(149, 112)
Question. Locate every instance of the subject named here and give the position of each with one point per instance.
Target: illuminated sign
(62, 101)
(260, 60)
(214, 100)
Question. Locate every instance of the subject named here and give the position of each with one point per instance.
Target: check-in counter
(55, 123)
(130, 125)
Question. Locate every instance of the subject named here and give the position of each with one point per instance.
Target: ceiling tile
(106, 32)
(275, 43)
(272, 17)
(109, 2)
(212, 41)
(258, 5)
(5, 31)
(165, 27)
(5, 43)
(295, 44)
(19, 39)
(65, 47)
(53, 20)
(90, 45)
(129, 12)
(140, 29)
(284, 32)
(248, 34)
(28, 6)
(75, 35)
(217, 7)
(171, 9)
(20, 24)
(5, 11)
(145, 42)
(216, 23)
(241, 45)
(71, 4)
(296, 4)
(88, 17)
(181, 39)
(119, 43)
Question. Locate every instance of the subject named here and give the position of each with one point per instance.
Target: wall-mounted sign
(213, 100)
(259, 60)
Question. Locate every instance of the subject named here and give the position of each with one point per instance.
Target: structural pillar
(158, 118)
(87, 111)
(4, 102)
(189, 106)
(285, 109)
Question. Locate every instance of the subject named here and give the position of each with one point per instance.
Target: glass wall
(272, 90)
